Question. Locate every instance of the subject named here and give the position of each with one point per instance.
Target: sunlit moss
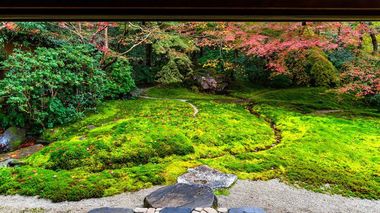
(134, 144)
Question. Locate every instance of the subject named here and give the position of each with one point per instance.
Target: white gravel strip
(272, 195)
(278, 197)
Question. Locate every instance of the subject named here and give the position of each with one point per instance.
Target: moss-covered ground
(134, 144)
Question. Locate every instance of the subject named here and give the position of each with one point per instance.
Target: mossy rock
(11, 139)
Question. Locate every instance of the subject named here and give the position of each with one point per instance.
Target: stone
(175, 210)
(205, 175)
(11, 139)
(21, 153)
(151, 210)
(7, 163)
(222, 210)
(111, 210)
(246, 210)
(181, 195)
(91, 127)
(208, 83)
(140, 210)
(210, 210)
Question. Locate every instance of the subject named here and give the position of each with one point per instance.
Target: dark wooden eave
(202, 10)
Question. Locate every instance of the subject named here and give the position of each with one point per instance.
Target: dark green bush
(374, 101)
(256, 70)
(280, 81)
(120, 80)
(53, 86)
(340, 56)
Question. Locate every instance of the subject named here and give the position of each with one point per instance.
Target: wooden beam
(203, 10)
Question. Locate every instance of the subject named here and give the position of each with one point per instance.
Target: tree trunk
(375, 44)
(148, 55)
(360, 46)
(236, 54)
(106, 45)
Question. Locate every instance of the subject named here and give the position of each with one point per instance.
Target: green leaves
(57, 85)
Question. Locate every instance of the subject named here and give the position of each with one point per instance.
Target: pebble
(210, 210)
(222, 210)
(140, 210)
(151, 210)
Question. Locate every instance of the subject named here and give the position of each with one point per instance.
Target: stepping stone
(21, 153)
(175, 210)
(111, 210)
(207, 176)
(181, 195)
(246, 210)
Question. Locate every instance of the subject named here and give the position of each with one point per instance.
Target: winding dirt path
(272, 124)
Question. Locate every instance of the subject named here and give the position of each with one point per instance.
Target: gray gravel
(272, 195)
(275, 196)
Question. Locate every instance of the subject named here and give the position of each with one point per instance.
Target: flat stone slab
(176, 210)
(205, 175)
(21, 153)
(111, 210)
(181, 195)
(246, 210)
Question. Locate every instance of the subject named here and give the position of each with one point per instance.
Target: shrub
(256, 70)
(374, 101)
(296, 64)
(322, 71)
(51, 86)
(280, 81)
(341, 56)
(170, 74)
(120, 80)
(362, 76)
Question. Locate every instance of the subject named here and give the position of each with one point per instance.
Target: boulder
(181, 195)
(208, 83)
(207, 176)
(111, 210)
(11, 139)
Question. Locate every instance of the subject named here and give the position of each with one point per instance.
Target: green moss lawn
(133, 144)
